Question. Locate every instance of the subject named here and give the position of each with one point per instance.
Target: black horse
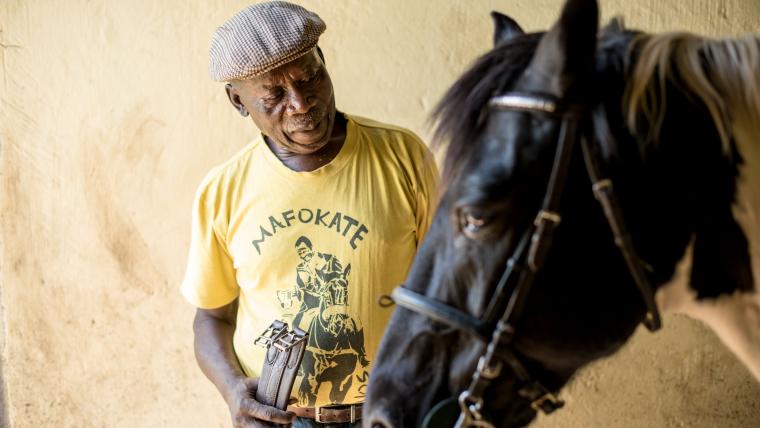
(592, 180)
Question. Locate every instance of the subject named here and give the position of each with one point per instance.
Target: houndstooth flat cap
(260, 38)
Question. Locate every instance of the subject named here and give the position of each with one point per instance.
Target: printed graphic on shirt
(336, 340)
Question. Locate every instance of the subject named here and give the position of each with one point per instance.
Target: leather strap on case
(285, 350)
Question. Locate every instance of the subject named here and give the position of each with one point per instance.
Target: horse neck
(694, 106)
(686, 92)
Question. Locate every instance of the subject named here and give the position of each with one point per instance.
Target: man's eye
(272, 98)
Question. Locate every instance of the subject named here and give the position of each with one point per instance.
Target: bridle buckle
(545, 215)
(547, 403)
(470, 415)
(487, 370)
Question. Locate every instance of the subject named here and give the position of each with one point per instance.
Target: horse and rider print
(335, 346)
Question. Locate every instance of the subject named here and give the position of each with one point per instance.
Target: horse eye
(471, 223)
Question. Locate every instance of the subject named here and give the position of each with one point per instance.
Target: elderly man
(359, 191)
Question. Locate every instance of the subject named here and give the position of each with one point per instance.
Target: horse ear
(566, 53)
(616, 25)
(504, 28)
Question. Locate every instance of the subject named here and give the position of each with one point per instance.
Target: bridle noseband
(525, 262)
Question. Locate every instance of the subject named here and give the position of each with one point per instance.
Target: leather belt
(330, 415)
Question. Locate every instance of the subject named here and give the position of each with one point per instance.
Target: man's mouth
(309, 122)
(309, 134)
(308, 127)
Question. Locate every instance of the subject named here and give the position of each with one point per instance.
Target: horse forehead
(485, 172)
(510, 138)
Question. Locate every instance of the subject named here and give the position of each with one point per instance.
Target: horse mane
(458, 116)
(722, 74)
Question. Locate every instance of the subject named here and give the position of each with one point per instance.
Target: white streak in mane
(725, 76)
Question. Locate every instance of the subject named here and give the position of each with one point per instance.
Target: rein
(522, 266)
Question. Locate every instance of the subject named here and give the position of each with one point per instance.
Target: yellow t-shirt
(314, 249)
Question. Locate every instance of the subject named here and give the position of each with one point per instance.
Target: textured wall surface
(108, 121)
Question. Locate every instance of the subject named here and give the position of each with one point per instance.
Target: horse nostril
(378, 425)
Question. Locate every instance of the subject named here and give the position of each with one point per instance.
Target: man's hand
(214, 329)
(246, 412)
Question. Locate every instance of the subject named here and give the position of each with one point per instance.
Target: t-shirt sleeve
(427, 192)
(210, 276)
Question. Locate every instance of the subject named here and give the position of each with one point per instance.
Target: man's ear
(321, 55)
(235, 100)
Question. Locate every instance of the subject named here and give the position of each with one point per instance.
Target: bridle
(496, 327)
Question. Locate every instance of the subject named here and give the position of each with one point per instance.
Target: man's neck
(310, 162)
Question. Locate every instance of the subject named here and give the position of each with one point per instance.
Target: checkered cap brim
(260, 38)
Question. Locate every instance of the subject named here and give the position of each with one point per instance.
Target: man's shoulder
(230, 171)
(377, 127)
(366, 122)
(392, 136)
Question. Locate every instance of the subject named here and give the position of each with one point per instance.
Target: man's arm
(214, 329)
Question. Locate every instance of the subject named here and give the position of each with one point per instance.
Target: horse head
(536, 264)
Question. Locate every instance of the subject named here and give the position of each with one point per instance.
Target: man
(359, 191)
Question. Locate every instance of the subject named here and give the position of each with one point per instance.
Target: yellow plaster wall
(108, 121)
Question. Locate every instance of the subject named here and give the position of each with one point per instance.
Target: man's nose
(299, 102)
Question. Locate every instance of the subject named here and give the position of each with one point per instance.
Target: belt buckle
(288, 339)
(318, 415)
(276, 330)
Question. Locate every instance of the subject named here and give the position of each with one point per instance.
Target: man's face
(293, 104)
(304, 252)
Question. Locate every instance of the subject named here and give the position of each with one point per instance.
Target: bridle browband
(526, 261)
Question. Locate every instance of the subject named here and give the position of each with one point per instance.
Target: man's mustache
(307, 120)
